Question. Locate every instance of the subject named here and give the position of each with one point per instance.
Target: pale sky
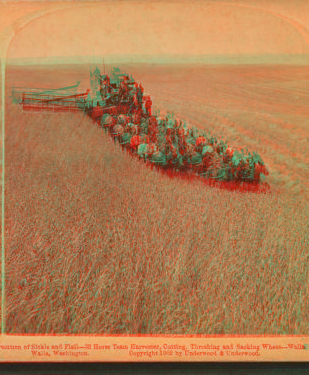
(187, 28)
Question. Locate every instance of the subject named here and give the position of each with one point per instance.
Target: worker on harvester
(148, 104)
(105, 88)
(123, 89)
(135, 97)
(139, 95)
(94, 80)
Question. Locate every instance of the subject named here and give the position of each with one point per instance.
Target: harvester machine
(69, 99)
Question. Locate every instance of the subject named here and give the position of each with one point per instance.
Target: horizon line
(245, 59)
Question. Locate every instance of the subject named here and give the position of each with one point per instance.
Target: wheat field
(97, 242)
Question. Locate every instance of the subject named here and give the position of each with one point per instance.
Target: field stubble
(96, 242)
